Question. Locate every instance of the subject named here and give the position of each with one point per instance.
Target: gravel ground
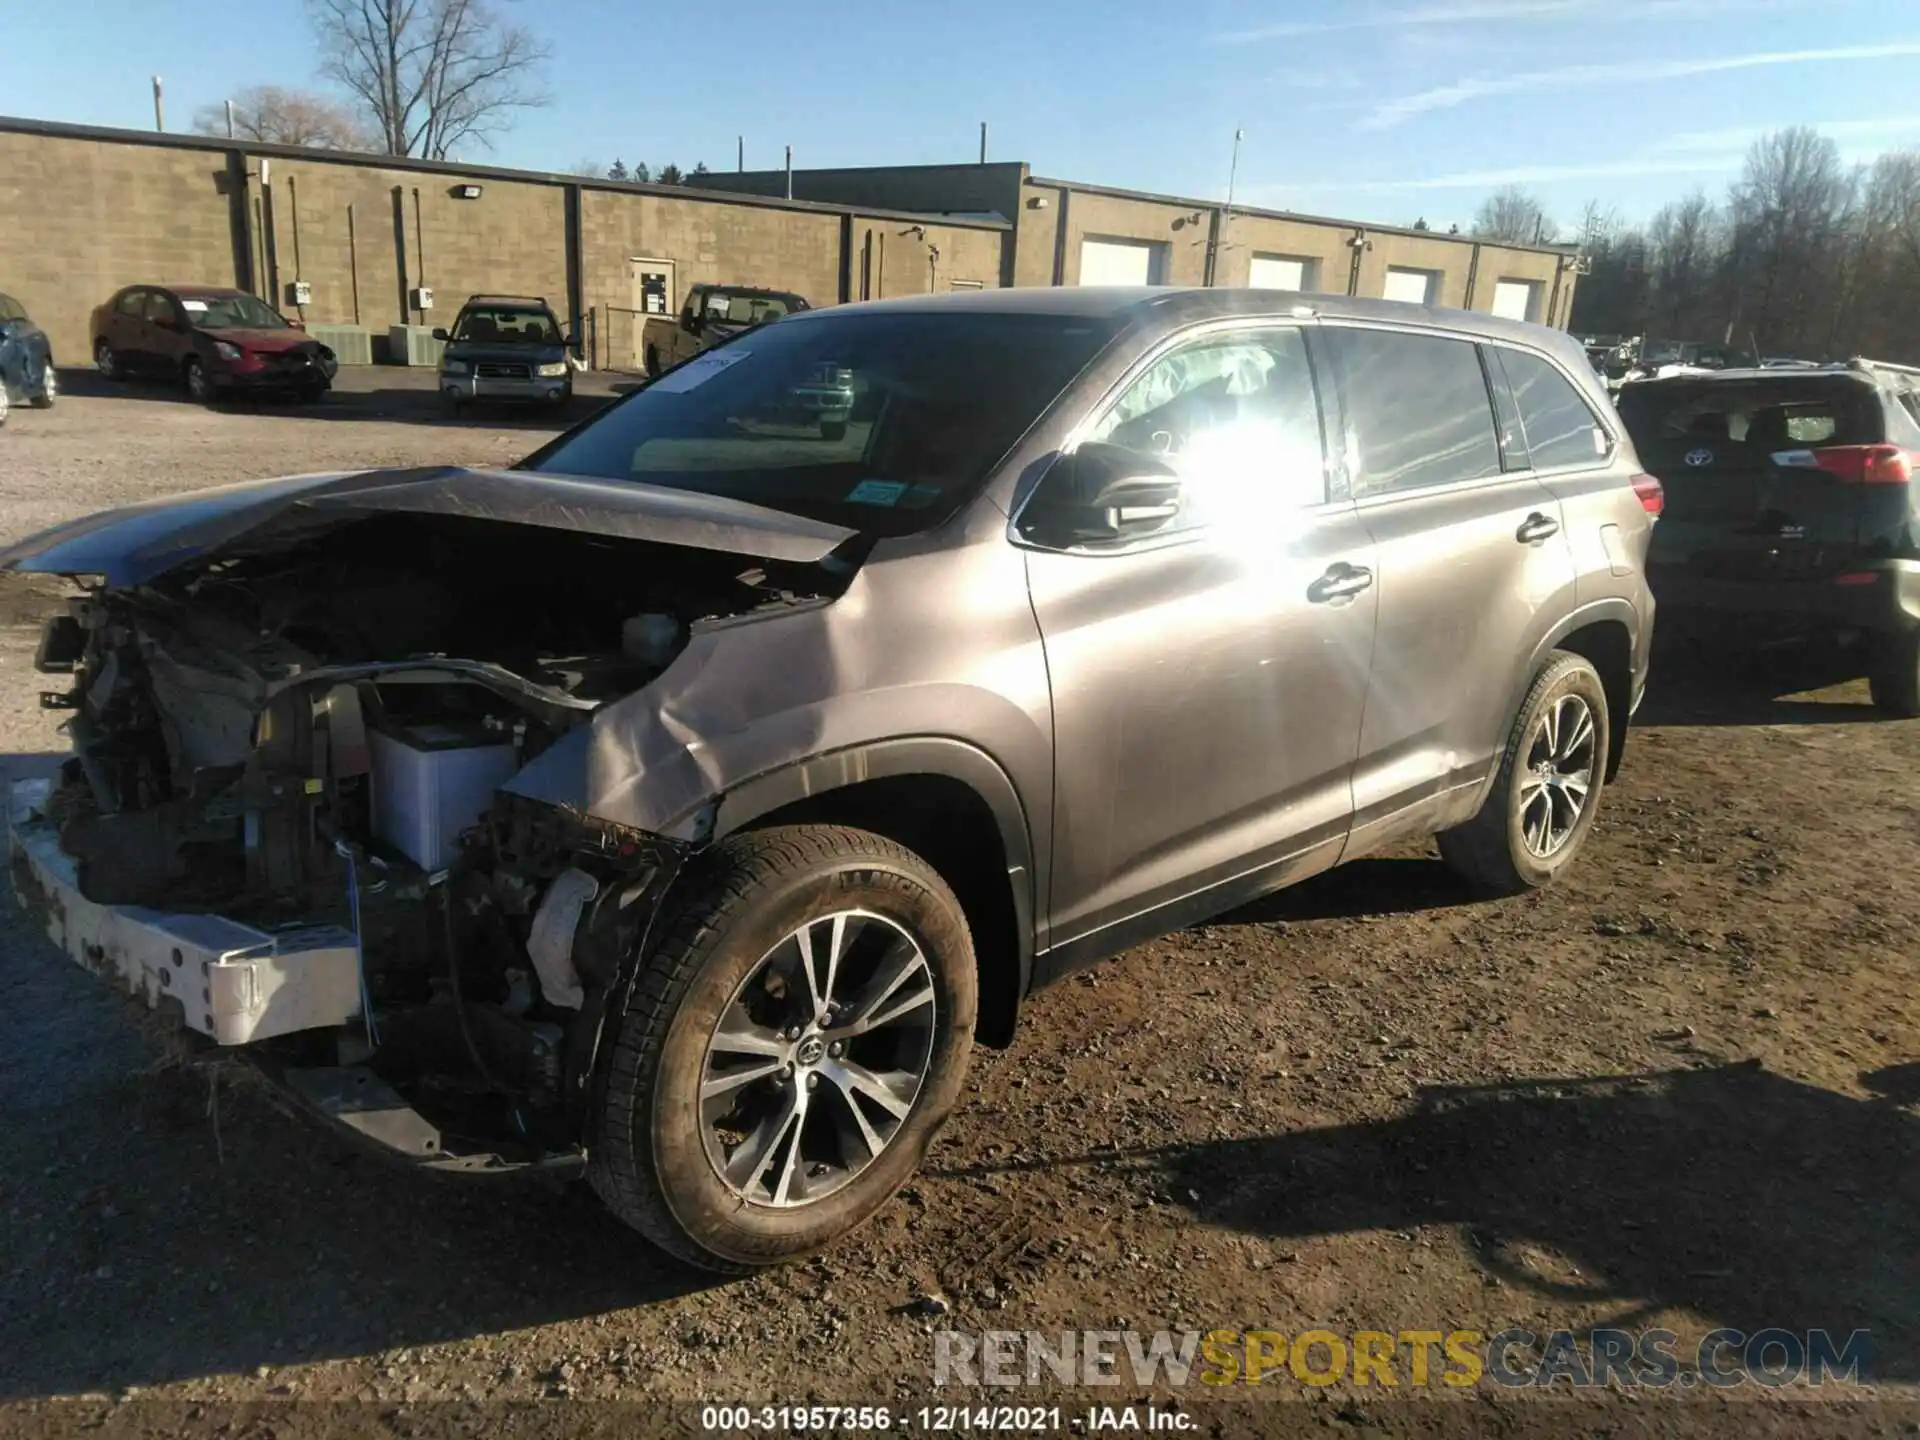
(1676, 1091)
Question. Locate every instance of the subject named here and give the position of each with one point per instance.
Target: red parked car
(212, 340)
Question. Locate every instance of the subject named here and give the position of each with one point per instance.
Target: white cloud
(1689, 152)
(1462, 92)
(1444, 12)
(1466, 12)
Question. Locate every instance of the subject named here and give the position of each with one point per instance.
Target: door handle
(1537, 527)
(1341, 582)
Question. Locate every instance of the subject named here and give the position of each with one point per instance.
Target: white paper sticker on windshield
(699, 370)
(194, 307)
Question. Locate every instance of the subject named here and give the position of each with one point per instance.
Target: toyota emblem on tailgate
(1697, 458)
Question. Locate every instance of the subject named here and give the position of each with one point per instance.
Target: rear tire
(49, 390)
(1541, 807)
(653, 360)
(729, 957)
(1894, 681)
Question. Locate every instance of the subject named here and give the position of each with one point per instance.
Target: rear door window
(1418, 413)
(1561, 428)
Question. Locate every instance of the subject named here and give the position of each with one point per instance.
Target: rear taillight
(1855, 464)
(1653, 498)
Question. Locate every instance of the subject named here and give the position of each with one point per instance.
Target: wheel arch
(1603, 633)
(950, 803)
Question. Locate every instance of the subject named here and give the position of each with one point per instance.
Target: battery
(432, 780)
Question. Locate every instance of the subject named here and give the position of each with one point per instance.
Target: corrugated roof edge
(62, 130)
(1369, 226)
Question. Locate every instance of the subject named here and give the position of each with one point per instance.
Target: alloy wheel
(817, 1059)
(106, 362)
(1558, 778)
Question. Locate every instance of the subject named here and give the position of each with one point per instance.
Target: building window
(1283, 272)
(1108, 260)
(1517, 299)
(1416, 287)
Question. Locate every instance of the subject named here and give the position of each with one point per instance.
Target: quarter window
(1418, 413)
(1560, 426)
(1236, 417)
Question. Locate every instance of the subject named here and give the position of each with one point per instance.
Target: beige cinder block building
(342, 239)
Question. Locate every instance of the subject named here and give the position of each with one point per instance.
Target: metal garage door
(1121, 262)
(1277, 272)
(1517, 299)
(1417, 287)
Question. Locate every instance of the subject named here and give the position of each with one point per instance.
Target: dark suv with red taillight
(1790, 505)
(212, 340)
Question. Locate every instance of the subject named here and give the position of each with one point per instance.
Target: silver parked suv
(683, 803)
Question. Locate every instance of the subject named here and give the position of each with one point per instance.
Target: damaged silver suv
(681, 805)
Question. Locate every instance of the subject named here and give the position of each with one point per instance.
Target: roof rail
(1860, 362)
(518, 299)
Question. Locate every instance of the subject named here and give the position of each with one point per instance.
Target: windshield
(734, 307)
(499, 325)
(230, 312)
(1666, 418)
(882, 422)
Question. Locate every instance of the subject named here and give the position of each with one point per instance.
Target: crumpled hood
(136, 543)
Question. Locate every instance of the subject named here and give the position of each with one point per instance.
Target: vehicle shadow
(1697, 682)
(158, 1231)
(1741, 1196)
(358, 395)
(1378, 885)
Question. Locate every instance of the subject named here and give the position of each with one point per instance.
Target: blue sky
(1374, 109)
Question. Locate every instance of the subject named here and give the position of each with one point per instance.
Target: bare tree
(1790, 208)
(430, 74)
(1515, 216)
(1687, 242)
(275, 116)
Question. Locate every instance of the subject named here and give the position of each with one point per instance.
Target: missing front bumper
(229, 981)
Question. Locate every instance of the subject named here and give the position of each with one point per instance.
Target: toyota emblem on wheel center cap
(1697, 458)
(810, 1051)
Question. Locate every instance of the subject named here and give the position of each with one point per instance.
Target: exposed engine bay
(303, 734)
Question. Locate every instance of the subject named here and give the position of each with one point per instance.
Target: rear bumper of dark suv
(1877, 596)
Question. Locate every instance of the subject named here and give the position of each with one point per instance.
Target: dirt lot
(1677, 1091)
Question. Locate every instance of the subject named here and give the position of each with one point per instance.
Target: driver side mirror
(440, 332)
(690, 322)
(1102, 492)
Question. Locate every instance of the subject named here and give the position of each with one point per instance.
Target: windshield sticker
(877, 492)
(698, 371)
(194, 307)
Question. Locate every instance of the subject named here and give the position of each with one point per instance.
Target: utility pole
(740, 163)
(230, 119)
(1219, 239)
(983, 142)
(789, 172)
(159, 115)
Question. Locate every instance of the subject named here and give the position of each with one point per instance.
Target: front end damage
(284, 821)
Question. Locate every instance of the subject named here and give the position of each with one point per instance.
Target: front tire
(653, 360)
(49, 390)
(107, 362)
(1541, 807)
(199, 384)
(1894, 681)
(789, 1048)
